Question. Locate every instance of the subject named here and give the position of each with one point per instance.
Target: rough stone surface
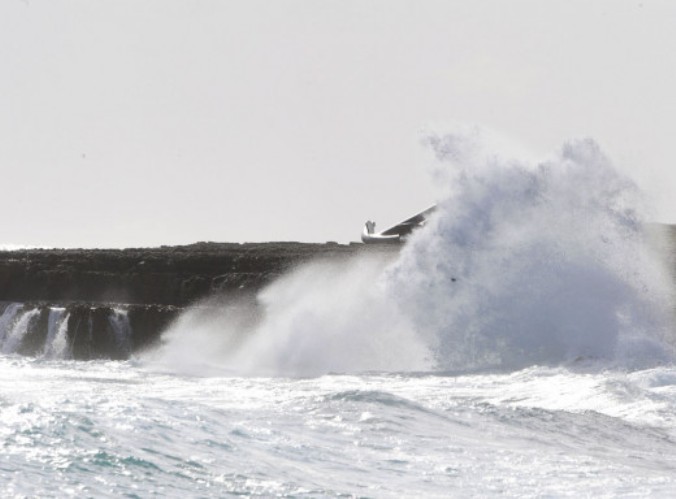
(176, 275)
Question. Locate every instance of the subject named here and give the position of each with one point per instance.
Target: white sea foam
(109, 429)
(524, 263)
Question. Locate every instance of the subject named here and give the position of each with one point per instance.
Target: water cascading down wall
(79, 331)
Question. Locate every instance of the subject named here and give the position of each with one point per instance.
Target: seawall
(100, 303)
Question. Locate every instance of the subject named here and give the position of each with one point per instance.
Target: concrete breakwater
(89, 304)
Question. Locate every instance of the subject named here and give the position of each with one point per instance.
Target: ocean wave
(525, 262)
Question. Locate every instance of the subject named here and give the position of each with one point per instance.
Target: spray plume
(524, 263)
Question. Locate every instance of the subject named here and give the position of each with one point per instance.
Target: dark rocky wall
(152, 286)
(175, 276)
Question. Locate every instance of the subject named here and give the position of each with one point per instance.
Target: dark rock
(148, 321)
(176, 276)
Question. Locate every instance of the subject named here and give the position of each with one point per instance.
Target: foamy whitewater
(521, 344)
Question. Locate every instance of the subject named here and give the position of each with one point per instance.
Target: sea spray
(202, 340)
(524, 263)
(332, 317)
(325, 316)
(534, 262)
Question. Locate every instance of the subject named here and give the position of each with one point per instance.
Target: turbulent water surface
(114, 428)
(521, 344)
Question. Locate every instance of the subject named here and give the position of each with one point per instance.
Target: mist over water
(326, 316)
(525, 262)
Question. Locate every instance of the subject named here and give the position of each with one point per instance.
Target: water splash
(525, 262)
(331, 317)
(322, 317)
(534, 263)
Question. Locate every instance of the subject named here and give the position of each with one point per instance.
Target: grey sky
(138, 122)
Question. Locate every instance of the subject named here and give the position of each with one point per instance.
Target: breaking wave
(551, 260)
(525, 262)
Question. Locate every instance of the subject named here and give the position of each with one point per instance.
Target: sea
(521, 344)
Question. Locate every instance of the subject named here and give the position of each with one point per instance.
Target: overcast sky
(148, 122)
